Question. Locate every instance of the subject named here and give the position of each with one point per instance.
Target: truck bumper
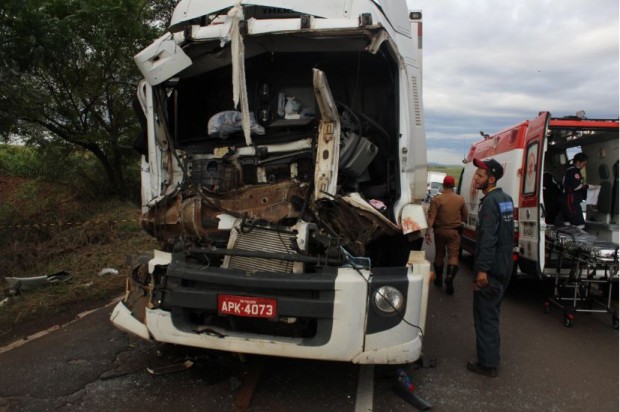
(347, 338)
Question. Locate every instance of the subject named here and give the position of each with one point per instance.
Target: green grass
(452, 170)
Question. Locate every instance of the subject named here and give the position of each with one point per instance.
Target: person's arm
(431, 216)
(580, 189)
(574, 180)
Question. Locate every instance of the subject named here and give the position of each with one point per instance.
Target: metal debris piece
(177, 367)
(107, 271)
(209, 331)
(404, 388)
(19, 284)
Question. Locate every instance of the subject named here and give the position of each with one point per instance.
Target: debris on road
(107, 271)
(21, 284)
(177, 367)
(406, 390)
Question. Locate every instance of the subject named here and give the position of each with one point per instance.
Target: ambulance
(535, 155)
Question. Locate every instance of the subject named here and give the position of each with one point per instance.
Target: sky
(490, 64)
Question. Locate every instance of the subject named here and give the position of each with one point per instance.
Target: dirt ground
(46, 228)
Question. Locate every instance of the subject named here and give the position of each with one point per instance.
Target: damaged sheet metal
(21, 284)
(176, 367)
(356, 222)
(328, 146)
(107, 271)
(197, 215)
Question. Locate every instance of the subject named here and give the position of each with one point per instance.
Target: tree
(67, 74)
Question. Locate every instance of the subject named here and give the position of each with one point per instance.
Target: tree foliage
(67, 74)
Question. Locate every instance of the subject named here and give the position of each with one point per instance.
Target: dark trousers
(571, 206)
(487, 303)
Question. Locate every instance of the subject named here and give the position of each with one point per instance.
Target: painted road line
(365, 388)
(47, 331)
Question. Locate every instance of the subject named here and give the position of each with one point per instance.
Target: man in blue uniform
(574, 191)
(492, 264)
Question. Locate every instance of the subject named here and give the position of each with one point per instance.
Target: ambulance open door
(531, 215)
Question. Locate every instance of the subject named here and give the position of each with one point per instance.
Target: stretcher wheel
(568, 319)
(614, 321)
(546, 307)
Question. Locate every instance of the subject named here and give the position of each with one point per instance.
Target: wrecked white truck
(283, 172)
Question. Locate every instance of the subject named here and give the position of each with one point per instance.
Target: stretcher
(582, 262)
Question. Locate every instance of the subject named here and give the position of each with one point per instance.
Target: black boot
(452, 269)
(438, 275)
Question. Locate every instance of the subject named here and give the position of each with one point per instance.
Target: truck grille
(264, 240)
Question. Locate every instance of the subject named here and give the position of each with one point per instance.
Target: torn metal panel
(377, 41)
(356, 225)
(21, 284)
(197, 216)
(271, 202)
(328, 145)
(162, 60)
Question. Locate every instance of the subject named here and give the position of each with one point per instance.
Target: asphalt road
(545, 366)
(88, 365)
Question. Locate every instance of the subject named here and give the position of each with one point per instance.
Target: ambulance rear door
(531, 217)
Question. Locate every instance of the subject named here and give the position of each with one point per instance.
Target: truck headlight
(388, 299)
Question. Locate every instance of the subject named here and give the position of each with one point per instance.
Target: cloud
(489, 65)
(444, 156)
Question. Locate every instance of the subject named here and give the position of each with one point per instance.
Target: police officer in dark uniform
(574, 191)
(492, 264)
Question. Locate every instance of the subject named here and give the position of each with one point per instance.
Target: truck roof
(583, 123)
(394, 13)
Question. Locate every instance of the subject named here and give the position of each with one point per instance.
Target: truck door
(531, 219)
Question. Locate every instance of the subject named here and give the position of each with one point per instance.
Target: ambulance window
(572, 151)
(531, 170)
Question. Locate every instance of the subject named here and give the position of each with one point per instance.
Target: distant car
(432, 190)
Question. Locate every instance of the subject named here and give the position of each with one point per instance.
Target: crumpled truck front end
(281, 155)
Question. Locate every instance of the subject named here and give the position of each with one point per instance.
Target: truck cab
(283, 171)
(535, 155)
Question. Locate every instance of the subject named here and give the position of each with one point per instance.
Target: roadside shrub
(18, 161)
(76, 169)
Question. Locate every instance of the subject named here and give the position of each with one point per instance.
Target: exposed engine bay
(230, 190)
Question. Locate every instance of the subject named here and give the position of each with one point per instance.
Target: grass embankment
(452, 170)
(44, 229)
